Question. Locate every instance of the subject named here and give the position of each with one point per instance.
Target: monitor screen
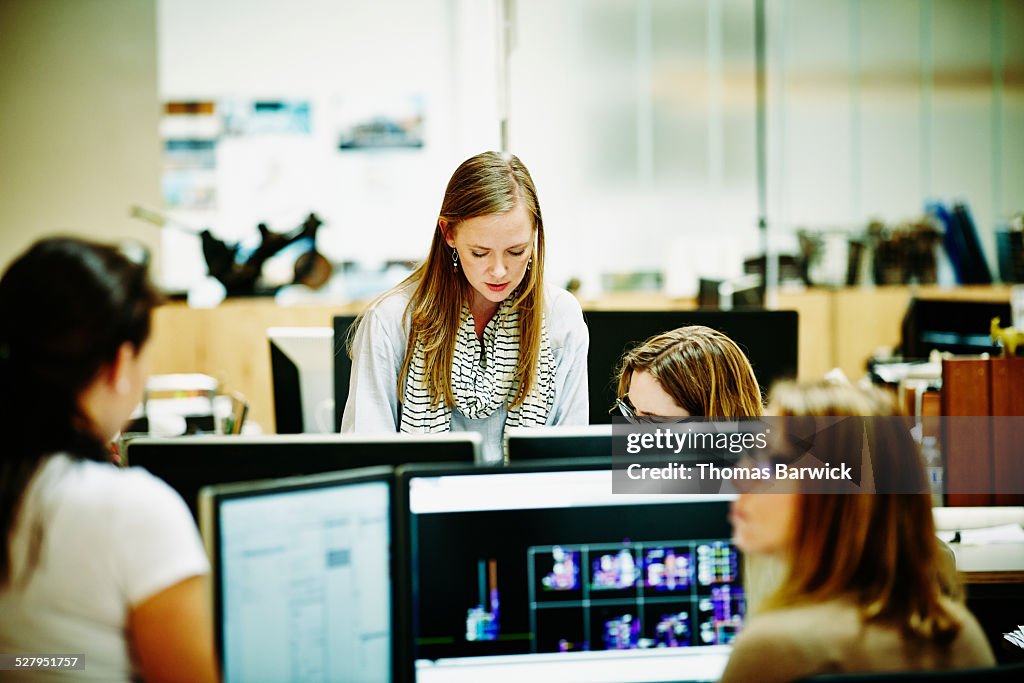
(769, 338)
(302, 577)
(542, 573)
(959, 327)
(746, 292)
(190, 463)
(558, 443)
(302, 372)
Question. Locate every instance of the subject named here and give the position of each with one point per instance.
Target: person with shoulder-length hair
(864, 587)
(95, 560)
(692, 371)
(473, 340)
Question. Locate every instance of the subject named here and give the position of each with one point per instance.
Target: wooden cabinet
(983, 463)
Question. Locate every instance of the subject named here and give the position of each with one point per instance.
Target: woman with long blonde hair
(473, 340)
(863, 583)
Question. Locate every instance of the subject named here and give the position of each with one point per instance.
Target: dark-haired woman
(94, 560)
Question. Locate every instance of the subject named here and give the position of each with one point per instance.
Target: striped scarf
(483, 377)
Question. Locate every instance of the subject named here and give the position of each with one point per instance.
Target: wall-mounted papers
(379, 122)
(266, 117)
(189, 130)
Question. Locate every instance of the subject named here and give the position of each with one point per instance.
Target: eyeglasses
(626, 410)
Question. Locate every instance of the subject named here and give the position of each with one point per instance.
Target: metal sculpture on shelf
(240, 276)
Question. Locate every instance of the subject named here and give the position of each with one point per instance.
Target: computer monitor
(769, 338)
(746, 292)
(342, 364)
(189, 463)
(302, 370)
(539, 572)
(960, 327)
(302, 577)
(558, 443)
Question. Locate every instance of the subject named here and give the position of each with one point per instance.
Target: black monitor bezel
(197, 445)
(211, 498)
(286, 379)
(781, 327)
(406, 577)
(524, 436)
(407, 543)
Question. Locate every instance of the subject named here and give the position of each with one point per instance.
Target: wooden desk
(230, 343)
(970, 578)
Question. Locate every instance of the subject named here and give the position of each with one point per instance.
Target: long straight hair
(703, 370)
(487, 184)
(66, 307)
(878, 549)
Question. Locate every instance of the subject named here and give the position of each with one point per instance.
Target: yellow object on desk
(1009, 337)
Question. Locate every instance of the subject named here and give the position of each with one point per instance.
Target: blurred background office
(637, 117)
(671, 140)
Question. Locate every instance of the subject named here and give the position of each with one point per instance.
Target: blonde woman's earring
(529, 264)
(455, 260)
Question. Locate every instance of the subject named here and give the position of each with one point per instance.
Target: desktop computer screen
(302, 371)
(302, 577)
(959, 327)
(189, 463)
(558, 443)
(769, 338)
(540, 572)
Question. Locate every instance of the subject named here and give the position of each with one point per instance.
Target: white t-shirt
(111, 538)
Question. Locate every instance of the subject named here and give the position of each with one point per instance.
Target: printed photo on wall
(265, 117)
(381, 122)
(189, 131)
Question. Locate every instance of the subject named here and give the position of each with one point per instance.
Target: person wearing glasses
(692, 371)
(864, 587)
(473, 340)
(98, 564)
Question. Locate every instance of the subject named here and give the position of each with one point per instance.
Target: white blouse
(379, 349)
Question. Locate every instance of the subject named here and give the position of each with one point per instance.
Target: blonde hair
(703, 370)
(483, 185)
(878, 549)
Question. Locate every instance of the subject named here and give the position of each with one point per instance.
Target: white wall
(78, 133)
(876, 107)
(378, 204)
(636, 118)
(638, 127)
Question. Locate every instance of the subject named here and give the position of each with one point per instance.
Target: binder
(952, 240)
(1008, 435)
(975, 263)
(960, 239)
(983, 455)
(967, 445)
